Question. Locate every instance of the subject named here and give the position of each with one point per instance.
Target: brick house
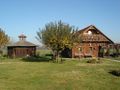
(92, 40)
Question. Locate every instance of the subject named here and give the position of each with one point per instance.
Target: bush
(48, 54)
(36, 59)
(115, 72)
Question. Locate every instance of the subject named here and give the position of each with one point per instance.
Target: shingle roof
(22, 42)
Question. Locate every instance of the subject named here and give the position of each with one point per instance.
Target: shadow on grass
(115, 72)
(37, 59)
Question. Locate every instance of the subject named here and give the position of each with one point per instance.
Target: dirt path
(115, 60)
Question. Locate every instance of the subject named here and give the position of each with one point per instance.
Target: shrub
(48, 54)
(36, 59)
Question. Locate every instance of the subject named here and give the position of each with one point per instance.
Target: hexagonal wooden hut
(21, 48)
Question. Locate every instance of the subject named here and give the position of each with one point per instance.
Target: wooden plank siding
(21, 51)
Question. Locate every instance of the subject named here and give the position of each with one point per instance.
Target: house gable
(92, 34)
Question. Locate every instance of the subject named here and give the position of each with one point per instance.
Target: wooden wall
(21, 51)
(87, 49)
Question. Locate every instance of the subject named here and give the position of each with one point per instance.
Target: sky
(27, 16)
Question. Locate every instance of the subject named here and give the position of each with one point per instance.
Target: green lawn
(71, 75)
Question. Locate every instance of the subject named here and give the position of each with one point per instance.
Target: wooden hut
(21, 48)
(92, 40)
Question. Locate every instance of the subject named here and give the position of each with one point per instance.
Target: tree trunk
(56, 55)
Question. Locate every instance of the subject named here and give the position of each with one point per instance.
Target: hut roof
(22, 42)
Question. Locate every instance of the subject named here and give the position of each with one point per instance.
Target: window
(89, 33)
(90, 48)
(90, 44)
(80, 49)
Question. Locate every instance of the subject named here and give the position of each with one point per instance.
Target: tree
(4, 39)
(113, 51)
(58, 36)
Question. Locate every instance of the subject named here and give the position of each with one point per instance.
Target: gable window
(89, 32)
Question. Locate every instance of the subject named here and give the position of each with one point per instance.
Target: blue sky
(27, 16)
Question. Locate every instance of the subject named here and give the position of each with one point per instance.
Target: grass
(16, 74)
